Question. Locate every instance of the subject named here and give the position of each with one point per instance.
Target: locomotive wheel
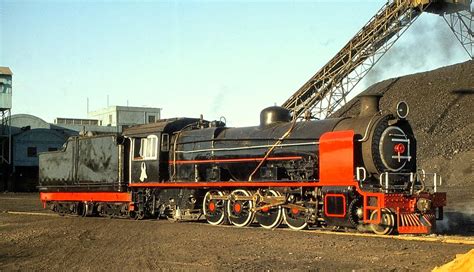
(214, 209)
(270, 218)
(139, 215)
(240, 211)
(387, 222)
(295, 218)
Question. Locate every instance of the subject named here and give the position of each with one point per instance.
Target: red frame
(326, 206)
(220, 184)
(366, 208)
(86, 196)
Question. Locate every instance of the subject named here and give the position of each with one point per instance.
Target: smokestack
(369, 104)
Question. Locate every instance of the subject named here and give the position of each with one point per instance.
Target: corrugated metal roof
(5, 71)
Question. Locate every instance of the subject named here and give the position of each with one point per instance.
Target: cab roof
(161, 126)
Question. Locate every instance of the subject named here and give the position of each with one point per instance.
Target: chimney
(369, 104)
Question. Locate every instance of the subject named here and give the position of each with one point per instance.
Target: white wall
(125, 115)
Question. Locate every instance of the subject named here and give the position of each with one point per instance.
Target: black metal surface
(200, 151)
(218, 145)
(274, 115)
(90, 163)
(335, 206)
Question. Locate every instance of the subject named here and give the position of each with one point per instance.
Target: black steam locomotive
(342, 172)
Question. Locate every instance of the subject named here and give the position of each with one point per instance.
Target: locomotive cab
(149, 147)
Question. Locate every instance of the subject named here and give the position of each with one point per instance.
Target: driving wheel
(240, 210)
(269, 217)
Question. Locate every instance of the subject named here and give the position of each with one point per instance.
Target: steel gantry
(329, 87)
(462, 25)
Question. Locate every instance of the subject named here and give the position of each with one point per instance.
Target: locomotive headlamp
(402, 109)
(423, 204)
(399, 148)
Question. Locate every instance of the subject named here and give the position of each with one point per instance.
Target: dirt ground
(50, 242)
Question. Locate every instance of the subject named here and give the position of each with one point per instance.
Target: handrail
(414, 179)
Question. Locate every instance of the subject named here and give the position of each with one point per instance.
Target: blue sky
(216, 58)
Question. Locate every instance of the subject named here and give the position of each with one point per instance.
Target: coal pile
(442, 114)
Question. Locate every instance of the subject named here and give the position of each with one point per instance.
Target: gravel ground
(48, 242)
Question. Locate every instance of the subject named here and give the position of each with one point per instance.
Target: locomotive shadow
(454, 223)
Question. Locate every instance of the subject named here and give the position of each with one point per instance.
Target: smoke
(218, 101)
(428, 44)
(458, 221)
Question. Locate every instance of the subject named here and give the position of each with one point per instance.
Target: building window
(145, 148)
(151, 118)
(52, 148)
(31, 152)
(110, 119)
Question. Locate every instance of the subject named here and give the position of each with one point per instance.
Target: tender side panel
(98, 161)
(88, 162)
(58, 166)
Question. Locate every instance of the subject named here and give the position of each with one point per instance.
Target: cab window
(165, 142)
(145, 148)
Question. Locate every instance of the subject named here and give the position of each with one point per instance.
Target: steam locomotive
(358, 172)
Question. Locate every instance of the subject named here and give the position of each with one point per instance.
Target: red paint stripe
(96, 197)
(236, 160)
(223, 184)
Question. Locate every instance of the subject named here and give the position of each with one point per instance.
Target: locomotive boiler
(357, 172)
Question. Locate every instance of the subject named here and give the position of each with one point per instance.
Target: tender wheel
(387, 222)
(240, 211)
(295, 218)
(214, 209)
(270, 218)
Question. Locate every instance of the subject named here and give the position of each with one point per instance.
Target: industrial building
(121, 116)
(24, 136)
(30, 136)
